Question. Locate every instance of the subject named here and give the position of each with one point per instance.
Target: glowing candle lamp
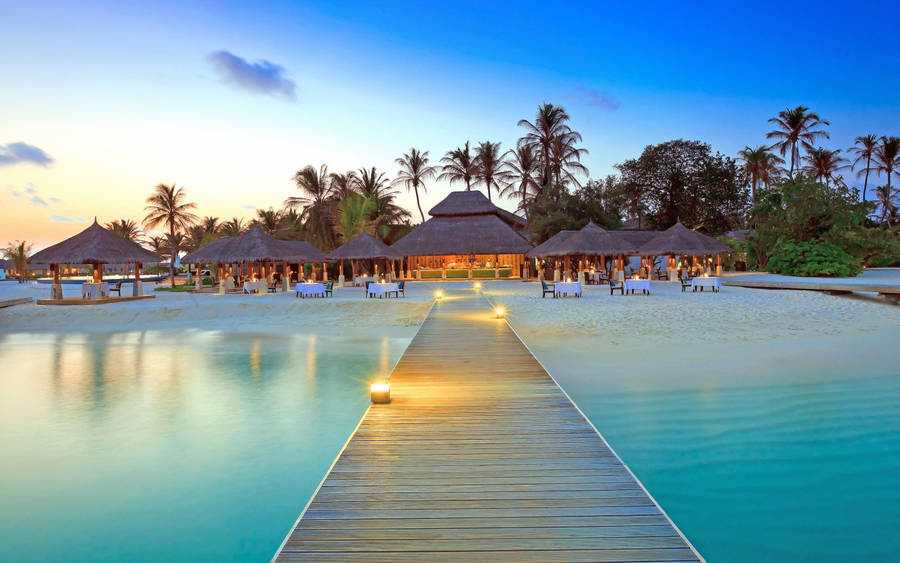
(438, 294)
(381, 393)
(500, 312)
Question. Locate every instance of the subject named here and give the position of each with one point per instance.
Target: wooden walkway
(889, 292)
(13, 302)
(480, 457)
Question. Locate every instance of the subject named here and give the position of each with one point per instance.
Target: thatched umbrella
(679, 240)
(541, 250)
(363, 247)
(592, 240)
(96, 246)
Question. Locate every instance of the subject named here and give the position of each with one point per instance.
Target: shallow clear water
(187, 445)
(763, 459)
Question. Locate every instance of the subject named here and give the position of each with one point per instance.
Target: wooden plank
(12, 302)
(479, 456)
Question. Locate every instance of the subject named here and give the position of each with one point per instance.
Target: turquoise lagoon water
(767, 454)
(176, 446)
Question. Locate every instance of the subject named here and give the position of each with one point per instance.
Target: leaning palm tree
(522, 166)
(887, 158)
(168, 206)
(232, 228)
(125, 228)
(490, 170)
(864, 150)
(414, 171)
(824, 164)
(459, 165)
(761, 166)
(796, 128)
(888, 200)
(17, 253)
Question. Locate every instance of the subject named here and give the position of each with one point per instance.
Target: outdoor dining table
(360, 281)
(310, 289)
(382, 289)
(699, 283)
(94, 290)
(632, 285)
(565, 288)
(254, 286)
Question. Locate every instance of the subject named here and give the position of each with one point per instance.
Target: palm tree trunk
(172, 255)
(866, 181)
(416, 189)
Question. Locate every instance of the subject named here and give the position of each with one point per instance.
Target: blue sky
(120, 97)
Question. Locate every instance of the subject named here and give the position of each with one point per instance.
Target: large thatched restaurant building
(467, 236)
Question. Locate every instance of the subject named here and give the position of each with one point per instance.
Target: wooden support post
(496, 267)
(137, 290)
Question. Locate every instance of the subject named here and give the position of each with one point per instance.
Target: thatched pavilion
(364, 247)
(678, 240)
(467, 236)
(591, 245)
(256, 255)
(95, 246)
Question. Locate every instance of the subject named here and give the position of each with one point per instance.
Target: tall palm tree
(125, 228)
(157, 244)
(553, 142)
(232, 228)
(414, 171)
(888, 200)
(864, 150)
(565, 158)
(459, 165)
(522, 166)
(268, 220)
(342, 185)
(17, 253)
(167, 206)
(372, 182)
(887, 157)
(490, 170)
(316, 189)
(824, 164)
(796, 128)
(761, 165)
(210, 225)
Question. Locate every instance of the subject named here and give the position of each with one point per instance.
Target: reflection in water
(157, 431)
(384, 359)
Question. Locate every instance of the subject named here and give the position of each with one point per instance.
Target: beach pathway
(480, 456)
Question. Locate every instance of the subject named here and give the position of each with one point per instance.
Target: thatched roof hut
(5, 264)
(679, 240)
(464, 223)
(551, 243)
(94, 245)
(592, 240)
(254, 246)
(364, 247)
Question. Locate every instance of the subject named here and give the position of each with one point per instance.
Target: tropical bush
(812, 258)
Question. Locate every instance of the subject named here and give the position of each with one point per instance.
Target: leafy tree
(598, 201)
(813, 258)
(354, 216)
(414, 171)
(683, 181)
(864, 151)
(17, 253)
(796, 128)
(168, 206)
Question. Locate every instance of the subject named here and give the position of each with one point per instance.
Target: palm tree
(522, 166)
(342, 185)
(490, 170)
(864, 150)
(888, 200)
(372, 182)
(414, 171)
(125, 228)
(167, 206)
(316, 189)
(210, 225)
(232, 228)
(17, 253)
(796, 128)
(268, 220)
(553, 142)
(824, 164)
(459, 165)
(354, 216)
(158, 245)
(565, 158)
(761, 165)
(887, 157)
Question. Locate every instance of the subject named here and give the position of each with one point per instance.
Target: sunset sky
(100, 102)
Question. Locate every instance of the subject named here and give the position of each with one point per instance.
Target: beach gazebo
(678, 240)
(255, 254)
(467, 236)
(95, 246)
(364, 247)
(592, 242)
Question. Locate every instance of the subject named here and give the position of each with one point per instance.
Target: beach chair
(685, 283)
(329, 289)
(616, 286)
(547, 288)
(401, 288)
(116, 287)
(367, 288)
(274, 287)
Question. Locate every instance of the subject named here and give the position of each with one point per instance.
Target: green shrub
(489, 273)
(814, 258)
(208, 281)
(430, 274)
(457, 273)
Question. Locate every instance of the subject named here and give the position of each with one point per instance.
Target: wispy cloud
(248, 206)
(30, 193)
(15, 153)
(594, 98)
(67, 219)
(260, 77)
(36, 200)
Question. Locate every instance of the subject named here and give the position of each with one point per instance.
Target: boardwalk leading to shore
(481, 457)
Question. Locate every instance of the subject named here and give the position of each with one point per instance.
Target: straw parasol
(364, 247)
(94, 245)
(551, 243)
(592, 240)
(679, 240)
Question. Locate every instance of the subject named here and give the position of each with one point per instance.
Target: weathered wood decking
(480, 456)
(13, 302)
(889, 292)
